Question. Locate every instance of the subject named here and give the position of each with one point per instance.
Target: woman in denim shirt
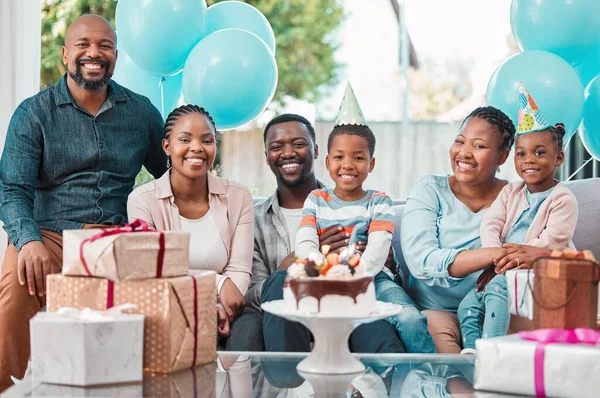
(440, 225)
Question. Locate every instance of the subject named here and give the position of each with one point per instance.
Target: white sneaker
(468, 351)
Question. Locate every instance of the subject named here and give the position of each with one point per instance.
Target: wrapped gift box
(180, 329)
(511, 364)
(125, 253)
(193, 382)
(55, 390)
(566, 292)
(520, 300)
(84, 351)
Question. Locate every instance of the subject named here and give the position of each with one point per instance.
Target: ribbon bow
(564, 336)
(548, 336)
(87, 314)
(136, 226)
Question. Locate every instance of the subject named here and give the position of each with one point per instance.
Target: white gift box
(510, 364)
(122, 390)
(83, 348)
(520, 299)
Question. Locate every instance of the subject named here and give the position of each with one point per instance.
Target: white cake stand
(330, 353)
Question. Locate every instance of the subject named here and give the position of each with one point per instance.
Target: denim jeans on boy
(410, 323)
(489, 307)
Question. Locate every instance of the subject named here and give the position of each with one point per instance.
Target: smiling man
(71, 156)
(290, 151)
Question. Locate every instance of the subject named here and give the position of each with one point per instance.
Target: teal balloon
(238, 15)
(159, 34)
(588, 66)
(233, 74)
(568, 28)
(551, 81)
(129, 74)
(590, 127)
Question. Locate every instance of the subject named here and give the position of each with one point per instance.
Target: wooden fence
(402, 155)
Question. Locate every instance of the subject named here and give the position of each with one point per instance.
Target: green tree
(304, 44)
(303, 32)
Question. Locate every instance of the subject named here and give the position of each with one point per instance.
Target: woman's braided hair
(184, 110)
(498, 119)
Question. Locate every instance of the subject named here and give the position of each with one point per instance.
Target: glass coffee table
(245, 374)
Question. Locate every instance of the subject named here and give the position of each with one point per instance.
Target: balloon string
(162, 96)
(579, 169)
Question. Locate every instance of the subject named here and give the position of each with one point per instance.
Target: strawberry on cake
(331, 285)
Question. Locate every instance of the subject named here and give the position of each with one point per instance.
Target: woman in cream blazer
(218, 213)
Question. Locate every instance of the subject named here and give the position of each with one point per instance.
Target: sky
(474, 29)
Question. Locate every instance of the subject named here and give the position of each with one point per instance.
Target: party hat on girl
(350, 112)
(530, 117)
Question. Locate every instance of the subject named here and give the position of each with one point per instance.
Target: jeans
(410, 323)
(283, 335)
(246, 332)
(489, 308)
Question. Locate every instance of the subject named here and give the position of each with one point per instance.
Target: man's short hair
(290, 117)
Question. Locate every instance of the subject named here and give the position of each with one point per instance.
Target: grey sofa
(587, 233)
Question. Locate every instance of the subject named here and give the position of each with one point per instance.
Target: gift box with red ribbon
(180, 327)
(543, 363)
(125, 253)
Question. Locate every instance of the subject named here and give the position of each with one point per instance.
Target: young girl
(538, 211)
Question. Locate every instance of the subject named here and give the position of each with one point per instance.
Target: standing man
(290, 151)
(70, 160)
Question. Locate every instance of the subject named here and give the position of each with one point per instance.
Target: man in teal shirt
(71, 156)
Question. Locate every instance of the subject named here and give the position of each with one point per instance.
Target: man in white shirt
(290, 150)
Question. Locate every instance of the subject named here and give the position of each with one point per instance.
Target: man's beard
(90, 85)
(294, 183)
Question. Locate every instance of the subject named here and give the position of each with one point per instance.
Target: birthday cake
(330, 285)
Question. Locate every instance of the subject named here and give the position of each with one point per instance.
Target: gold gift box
(126, 256)
(172, 314)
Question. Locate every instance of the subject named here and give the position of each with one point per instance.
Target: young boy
(366, 216)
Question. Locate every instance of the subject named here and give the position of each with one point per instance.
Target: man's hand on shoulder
(33, 265)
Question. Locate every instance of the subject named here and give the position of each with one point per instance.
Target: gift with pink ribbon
(520, 299)
(131, 252)
(543, 363)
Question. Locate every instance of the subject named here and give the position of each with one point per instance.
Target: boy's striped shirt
(368, 219)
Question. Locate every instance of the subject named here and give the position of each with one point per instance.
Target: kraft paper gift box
(84, 348)
(566, 292)
(193, 382)
(125, 253)
(180, 328)
(520, 300)
(511, 364)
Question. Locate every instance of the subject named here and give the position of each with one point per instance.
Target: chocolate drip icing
(319, 288)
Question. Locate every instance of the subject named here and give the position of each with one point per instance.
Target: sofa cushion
(587, 232)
